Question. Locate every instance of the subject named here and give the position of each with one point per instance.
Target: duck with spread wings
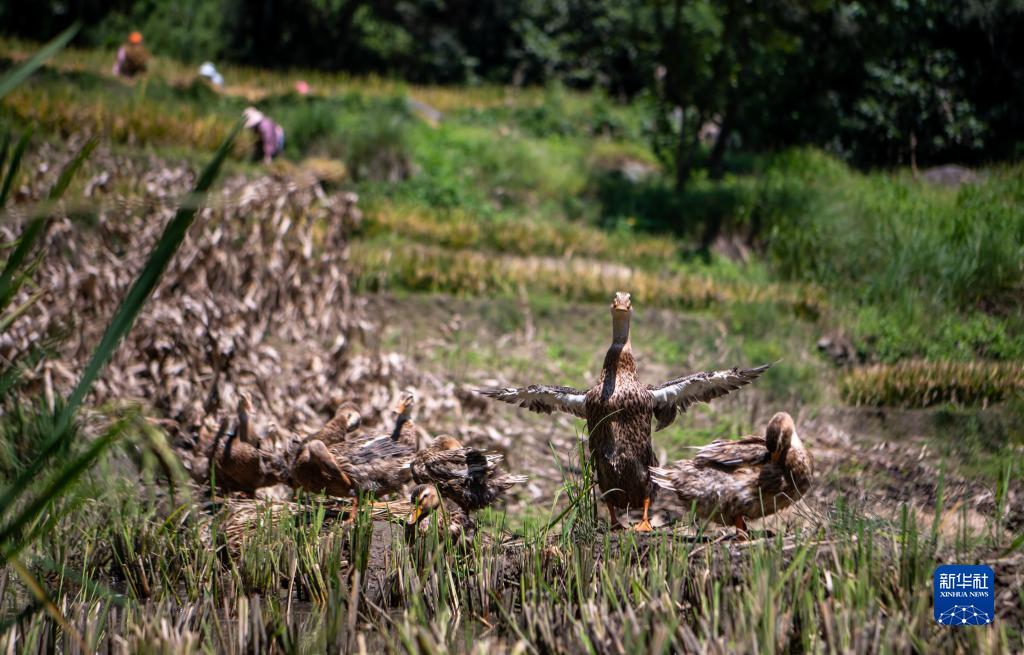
(619, 410)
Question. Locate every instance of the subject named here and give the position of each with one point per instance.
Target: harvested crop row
(921, 383)
(428, 268)
(262, 273)
(123, 120)
(457, 229)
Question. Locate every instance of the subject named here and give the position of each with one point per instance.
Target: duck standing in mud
(619, 409)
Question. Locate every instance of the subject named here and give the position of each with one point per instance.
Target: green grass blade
(69, 171)
(18, 75)
(57, 485)
(12, 168)
(8, 319)
(37, 226)
(11, 376)
(1017, 543)
(4, 148)
(125, 315)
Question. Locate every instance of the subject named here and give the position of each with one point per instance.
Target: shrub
(375, 144)
(887, 238)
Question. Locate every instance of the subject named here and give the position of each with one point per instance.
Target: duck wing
(324, 461)
(477, 466)
(678, 394)
(542, 398)
(381, 447)
(460, 464)
(316, 469)
(480, 484)
(731, 454)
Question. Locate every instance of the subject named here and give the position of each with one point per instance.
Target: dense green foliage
(878, 83)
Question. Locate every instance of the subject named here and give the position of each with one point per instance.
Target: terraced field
(388, 253)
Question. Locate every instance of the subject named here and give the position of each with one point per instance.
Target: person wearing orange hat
(131, 57)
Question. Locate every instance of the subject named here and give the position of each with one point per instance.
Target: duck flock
(727, 481)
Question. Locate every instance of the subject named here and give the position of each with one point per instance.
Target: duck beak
(414, 516)
(621, 302)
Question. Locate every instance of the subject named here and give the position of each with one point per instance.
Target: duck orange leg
(352, 512)
(645, 523)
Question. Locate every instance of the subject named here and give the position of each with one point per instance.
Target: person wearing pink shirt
(269, 135)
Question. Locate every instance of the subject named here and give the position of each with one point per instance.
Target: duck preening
(354, 463)
(371, 463)
(467, 477)
(619, 410)
(730, 481)
(237, 461)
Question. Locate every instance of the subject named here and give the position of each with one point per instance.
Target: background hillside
(873, 82)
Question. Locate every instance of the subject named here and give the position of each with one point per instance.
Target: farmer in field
(269, 135)
(209, 71)
(131, 57)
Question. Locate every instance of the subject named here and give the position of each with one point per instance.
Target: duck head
(351, 417)
(424, 500)
(403, 408)
(446, 442)
(622, 310)
(781, 436)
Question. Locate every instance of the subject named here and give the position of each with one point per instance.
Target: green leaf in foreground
(37, 225)
(18, 75)
(119, 325)
(57, 485)
(12, 168)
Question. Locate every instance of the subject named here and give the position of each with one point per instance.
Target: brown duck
(619, 410)
(732, 481)
(466, 476)
(237, 464)
(426, 501)
(405, 431)
(368, 463)
(345, 421)
(371, 463)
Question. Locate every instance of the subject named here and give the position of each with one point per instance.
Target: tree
(717, 59)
